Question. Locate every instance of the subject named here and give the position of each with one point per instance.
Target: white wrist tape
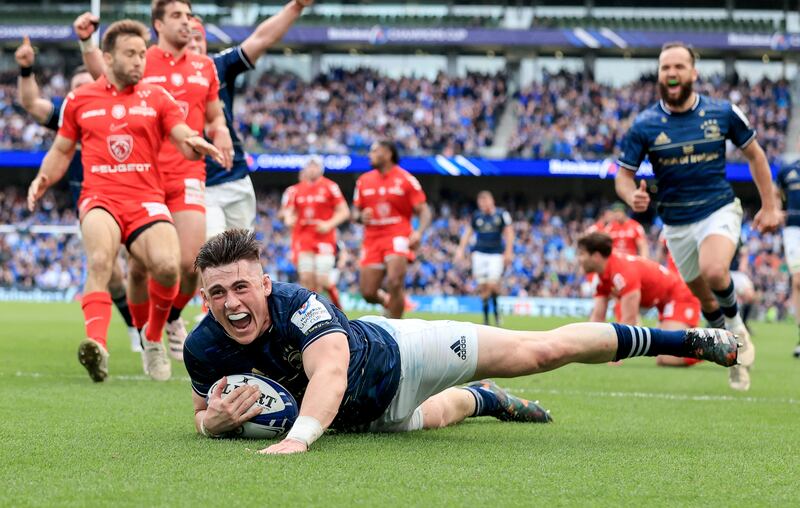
(204, 431)
(87, 46)
(306, 429)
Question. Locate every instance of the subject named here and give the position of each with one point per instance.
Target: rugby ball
(278, 407)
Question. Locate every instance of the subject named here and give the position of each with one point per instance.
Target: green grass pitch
(632, 434)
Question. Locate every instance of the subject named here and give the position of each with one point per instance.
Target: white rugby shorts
(434, 356)
(684, 240)
(487, 267)
(230, 205)
(791, 248)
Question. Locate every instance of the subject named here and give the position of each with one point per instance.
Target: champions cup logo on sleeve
(309, 314)
(120, 146)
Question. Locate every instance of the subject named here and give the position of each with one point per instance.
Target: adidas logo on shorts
(459, 347)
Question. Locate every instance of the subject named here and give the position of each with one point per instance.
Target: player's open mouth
(673, 85)
(240, 321)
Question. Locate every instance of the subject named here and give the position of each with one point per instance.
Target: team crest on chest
(176, 79)
(120, 146)
(710, 128)
(118, 111)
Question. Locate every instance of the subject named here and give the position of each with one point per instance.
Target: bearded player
(684, 136)
(637, 283)
(120, 124)
(45, 112)
(386, 198)
(192, 80)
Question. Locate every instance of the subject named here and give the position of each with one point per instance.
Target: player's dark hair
(389, 145)
(227, 248)
(159, 7)
(78, 70)
(680, 44)
(120, 28)
(596, 242)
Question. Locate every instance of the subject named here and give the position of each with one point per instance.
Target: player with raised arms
(637, 283)
(120, 124)
(684, 137)
(230, 197)
(192, 80)
(313, 211)
(386, 198)
(45, 112)
(378, 374)
(493, 250)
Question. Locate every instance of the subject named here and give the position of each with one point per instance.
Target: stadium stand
(343, 111)
(545, 250)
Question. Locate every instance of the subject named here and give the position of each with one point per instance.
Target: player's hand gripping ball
(278, 407)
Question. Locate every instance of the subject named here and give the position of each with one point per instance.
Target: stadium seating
(545, 261)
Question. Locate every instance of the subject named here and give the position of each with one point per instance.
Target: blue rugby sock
(640, 341)
(486, 402)
(727, 301)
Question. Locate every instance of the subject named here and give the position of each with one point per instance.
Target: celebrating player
(684, 137)
(788, 180)
(387, 197)
(489, 256)
(314, 210)
(637, 283)
(627, 234)
(120, 124)
(192, 80)
(45, 112)
(378, 374)
(230, 198)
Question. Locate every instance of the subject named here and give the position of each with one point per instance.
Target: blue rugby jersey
(788, 179)
(75, 169)
(299, 317)
(230, 63)
(488, 229)
(687, 151)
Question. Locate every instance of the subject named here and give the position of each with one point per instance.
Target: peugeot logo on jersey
(120, 146)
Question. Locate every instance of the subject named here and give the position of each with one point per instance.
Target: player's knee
(371, 296)
(99, 261)
(796, 282)
(394, 283)
(165, 271)
(716, 274)
(433, 415)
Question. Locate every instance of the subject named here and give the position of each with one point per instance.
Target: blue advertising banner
(379, 35)
(432, 165)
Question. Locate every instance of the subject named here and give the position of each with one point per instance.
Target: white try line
(660, 396)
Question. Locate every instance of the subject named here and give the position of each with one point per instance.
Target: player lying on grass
(637, 283)
(378, 374)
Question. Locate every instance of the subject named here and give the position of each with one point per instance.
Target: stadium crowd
(566, 115)
(544, 264)
(570, 116)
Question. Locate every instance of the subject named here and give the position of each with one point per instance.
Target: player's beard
(683, 96)
(126, 79)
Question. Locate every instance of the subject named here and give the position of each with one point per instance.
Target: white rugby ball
(278, 407)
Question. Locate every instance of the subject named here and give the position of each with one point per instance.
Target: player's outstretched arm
(85, 26)
(325, 362)
(192, 145)
(53, 167)
(768, 217)
(462, 244)
(27, 88)
(218, 133)
(629, 303)
(272, 29)
(508, 238)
